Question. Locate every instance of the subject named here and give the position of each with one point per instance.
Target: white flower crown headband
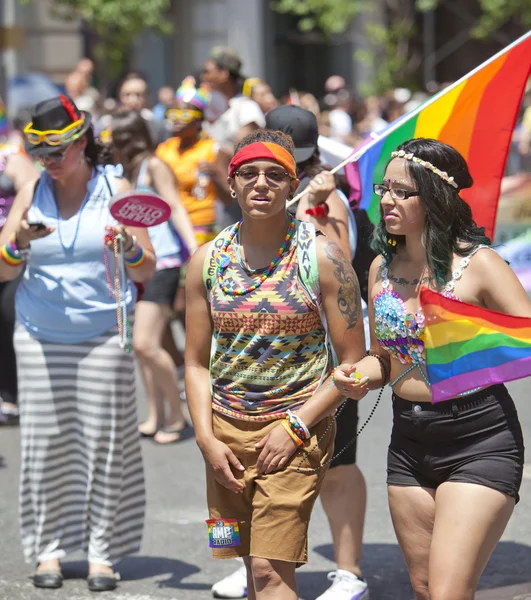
(427, 165)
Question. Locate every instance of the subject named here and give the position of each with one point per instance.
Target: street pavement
(175, 559)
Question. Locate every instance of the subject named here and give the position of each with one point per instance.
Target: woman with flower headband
(82, 483)
(454, 468)
(268, 296)
(16, 169)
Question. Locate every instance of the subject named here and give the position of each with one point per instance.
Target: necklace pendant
(222, 260)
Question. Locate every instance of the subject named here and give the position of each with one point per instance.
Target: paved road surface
(175, 560)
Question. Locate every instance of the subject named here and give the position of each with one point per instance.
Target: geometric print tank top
(269, 346)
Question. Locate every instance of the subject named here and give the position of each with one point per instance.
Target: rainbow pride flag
(469, 347)
(476, 115)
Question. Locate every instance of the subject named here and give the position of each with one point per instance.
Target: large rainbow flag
(469, 347)
(476, 115)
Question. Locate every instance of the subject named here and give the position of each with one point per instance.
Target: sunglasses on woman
(54, 157)
(184, 115)
(53, 137)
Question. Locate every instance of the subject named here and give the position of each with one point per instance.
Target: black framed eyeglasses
(396, 193)
(273, 178)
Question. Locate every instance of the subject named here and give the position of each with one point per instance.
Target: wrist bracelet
(8, 256)
(137, 260)
(382, 365)
(297, 426)
(292, 435)
(134, 246)
(11, 254)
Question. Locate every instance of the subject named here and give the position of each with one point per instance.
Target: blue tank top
(168, 246)
(64, 295)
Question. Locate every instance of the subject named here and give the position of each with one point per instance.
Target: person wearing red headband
(259, 358)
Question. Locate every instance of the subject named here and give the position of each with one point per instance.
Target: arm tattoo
(348, 296)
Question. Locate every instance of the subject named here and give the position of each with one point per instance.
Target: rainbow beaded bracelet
(10, 253)
(137, 260)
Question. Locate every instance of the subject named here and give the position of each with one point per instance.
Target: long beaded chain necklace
(117, 286)
(59, 219)
(223, 261)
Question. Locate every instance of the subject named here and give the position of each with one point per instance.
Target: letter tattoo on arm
(348, 297)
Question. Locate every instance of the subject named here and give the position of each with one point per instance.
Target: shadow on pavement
(385, 571)
(134, 568)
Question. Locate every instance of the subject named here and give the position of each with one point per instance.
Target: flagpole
(357, 155)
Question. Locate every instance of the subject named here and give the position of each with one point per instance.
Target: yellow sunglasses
(183, 115)
(53, 137)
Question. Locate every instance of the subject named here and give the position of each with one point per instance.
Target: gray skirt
(82, 481)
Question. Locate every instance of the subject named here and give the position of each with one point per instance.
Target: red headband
(263, 151)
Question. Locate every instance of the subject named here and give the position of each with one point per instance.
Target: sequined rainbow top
(399, 330)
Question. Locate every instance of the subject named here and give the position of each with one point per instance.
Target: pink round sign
(135, 208)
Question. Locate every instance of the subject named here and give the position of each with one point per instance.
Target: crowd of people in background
(178, 143)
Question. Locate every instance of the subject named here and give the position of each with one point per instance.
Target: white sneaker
(345, 586)
(233, 586)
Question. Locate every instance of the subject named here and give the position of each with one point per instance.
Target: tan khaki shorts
(274, 510)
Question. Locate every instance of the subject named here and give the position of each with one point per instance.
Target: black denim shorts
(347, 427)
(473, 439)
(162, 288)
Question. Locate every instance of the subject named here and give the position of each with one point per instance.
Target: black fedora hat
(55, 114)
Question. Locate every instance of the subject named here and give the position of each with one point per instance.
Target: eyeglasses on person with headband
(274, 178)
(396, 193)
(53, 137)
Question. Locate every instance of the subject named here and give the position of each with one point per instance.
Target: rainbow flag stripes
(469, 347)
(476, 117)
(223, 533)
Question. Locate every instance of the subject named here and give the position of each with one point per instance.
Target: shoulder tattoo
(348, 296)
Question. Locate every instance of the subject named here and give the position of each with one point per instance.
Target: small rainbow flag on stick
(469, 347)
(475, 115)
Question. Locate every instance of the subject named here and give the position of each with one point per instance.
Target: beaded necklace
(116, 291)
(223, 261)
(59, 219)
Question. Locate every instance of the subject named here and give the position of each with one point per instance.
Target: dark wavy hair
(131, 140)
(269, 136)
(450, 228)
(96, 153)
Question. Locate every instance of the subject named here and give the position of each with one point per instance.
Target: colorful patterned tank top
(269, 346)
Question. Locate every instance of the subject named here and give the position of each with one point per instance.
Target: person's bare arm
(498, 287)
(370, 368)
(17, 223)
(199, 330)
(342, 306)
(335, 225)
(163, 180)
(20, 169)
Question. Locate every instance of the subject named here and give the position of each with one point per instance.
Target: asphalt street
(175, 559)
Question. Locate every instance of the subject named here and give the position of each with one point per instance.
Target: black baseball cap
(298, 123)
